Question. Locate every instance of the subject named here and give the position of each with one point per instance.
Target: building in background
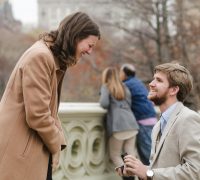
(51, 12)
(6, 17)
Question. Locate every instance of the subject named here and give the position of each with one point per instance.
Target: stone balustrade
(86, 156)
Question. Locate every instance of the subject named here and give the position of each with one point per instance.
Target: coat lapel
(60, 75)
(169, 125)
(155, 136)
(155, 140)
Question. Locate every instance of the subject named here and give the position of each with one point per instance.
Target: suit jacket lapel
(155, 136)
(155, 140)
(169, 125)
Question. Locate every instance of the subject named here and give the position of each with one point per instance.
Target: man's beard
(158, 100)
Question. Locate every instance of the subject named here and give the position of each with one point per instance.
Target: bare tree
(158, 29)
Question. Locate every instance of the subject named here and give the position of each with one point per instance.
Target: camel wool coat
(29, 125)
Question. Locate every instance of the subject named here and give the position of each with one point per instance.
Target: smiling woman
(25, 11)
(86, 46)
(32, 95)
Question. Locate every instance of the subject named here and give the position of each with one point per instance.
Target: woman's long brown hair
(72, 29)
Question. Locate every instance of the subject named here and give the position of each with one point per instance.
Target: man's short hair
(177, 75)
(128, 69)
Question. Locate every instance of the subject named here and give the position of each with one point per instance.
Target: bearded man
(175, 152)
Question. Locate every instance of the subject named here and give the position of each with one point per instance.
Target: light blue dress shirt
(165, 116)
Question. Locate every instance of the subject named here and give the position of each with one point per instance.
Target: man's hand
(134, 166)
(55, 161)
(119, 170)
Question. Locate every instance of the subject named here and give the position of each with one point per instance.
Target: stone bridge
(86, 157)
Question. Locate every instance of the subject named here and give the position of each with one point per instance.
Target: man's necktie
(163, 123)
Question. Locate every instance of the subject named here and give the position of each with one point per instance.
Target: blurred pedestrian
(31, 135)
(142, 108)
(121, 124)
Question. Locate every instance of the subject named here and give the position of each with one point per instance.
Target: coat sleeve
(104, 97)
(189, 148)
(36, 78)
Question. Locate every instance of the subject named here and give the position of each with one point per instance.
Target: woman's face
(86, 46)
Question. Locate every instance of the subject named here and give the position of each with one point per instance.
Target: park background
(142, 32)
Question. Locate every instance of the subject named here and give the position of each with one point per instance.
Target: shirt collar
(166, 114)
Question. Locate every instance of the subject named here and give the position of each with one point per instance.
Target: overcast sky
(25, 10)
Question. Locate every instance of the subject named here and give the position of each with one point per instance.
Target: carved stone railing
(86, 156)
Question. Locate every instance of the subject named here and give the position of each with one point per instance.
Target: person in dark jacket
(121, 124)
(143, 110)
